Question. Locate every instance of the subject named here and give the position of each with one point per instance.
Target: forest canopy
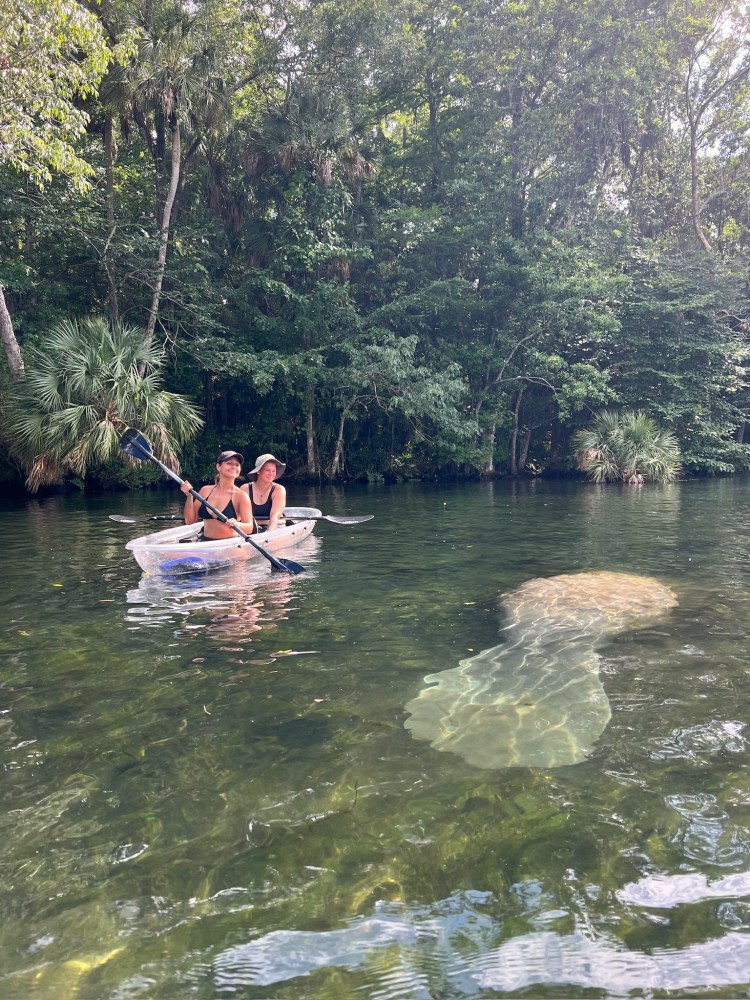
(399, 239)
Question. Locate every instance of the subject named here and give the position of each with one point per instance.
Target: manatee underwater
(536, 700)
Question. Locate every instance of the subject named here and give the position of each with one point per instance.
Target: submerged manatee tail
(537, 701)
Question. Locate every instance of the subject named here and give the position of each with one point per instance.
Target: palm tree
(171, 85)
(89, 382)
(629, 447)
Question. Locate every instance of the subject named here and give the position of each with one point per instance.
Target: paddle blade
(286, 566)
(122, 520)
(133, 443)
(330, 517)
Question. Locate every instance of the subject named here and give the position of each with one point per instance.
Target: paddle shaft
(289, 517)
(284, 567)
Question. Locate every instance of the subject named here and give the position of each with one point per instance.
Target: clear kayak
(179, 550)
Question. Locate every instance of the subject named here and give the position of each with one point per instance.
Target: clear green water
(208, 790)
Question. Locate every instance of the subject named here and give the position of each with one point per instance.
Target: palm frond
(627, 446)
(82, 389)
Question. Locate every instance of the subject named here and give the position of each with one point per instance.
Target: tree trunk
(554, 437)
(336, 463)
(8, 337)
(514, 435)
(695, 207)
(208, 399)
(433, 104)
(164, 234)
(489, 439)
(312, 457)
(518, 184)
(524, 452)
(109, 174)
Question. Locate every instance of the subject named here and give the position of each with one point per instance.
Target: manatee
(537, 700)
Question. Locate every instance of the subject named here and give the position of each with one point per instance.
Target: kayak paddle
(133, 443)
(330, 517)
(289, 517)
(154, 517)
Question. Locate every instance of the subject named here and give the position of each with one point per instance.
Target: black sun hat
(224, 456)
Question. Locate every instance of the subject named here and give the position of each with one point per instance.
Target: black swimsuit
(262, 509)
(205, 513)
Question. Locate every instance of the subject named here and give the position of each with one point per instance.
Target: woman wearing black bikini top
(225, 496)
(267, 497)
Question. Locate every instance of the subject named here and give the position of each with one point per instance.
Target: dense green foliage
(51, 52)
(403, 239)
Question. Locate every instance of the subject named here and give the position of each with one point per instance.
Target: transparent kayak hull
(177, 550)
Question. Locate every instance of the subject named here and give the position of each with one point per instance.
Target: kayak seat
(200, 537)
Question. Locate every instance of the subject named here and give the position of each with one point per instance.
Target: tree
(716, 88)
(680, 351)
(383, 375)
(298, 177)
(52, 54)
(627, 447)
(498, 191)
(171, 83)
(80, 393)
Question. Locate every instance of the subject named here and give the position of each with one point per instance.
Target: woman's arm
(244, 509)
(190, 512)
(277, 507)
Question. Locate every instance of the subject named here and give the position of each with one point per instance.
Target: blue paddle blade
(133, 443)
(286, 566)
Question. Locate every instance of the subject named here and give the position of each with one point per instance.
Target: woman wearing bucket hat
(224, 495)
(267, 497)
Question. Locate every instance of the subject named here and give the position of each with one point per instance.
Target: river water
(209, 788)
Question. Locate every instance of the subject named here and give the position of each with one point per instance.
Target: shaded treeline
(413, 238)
